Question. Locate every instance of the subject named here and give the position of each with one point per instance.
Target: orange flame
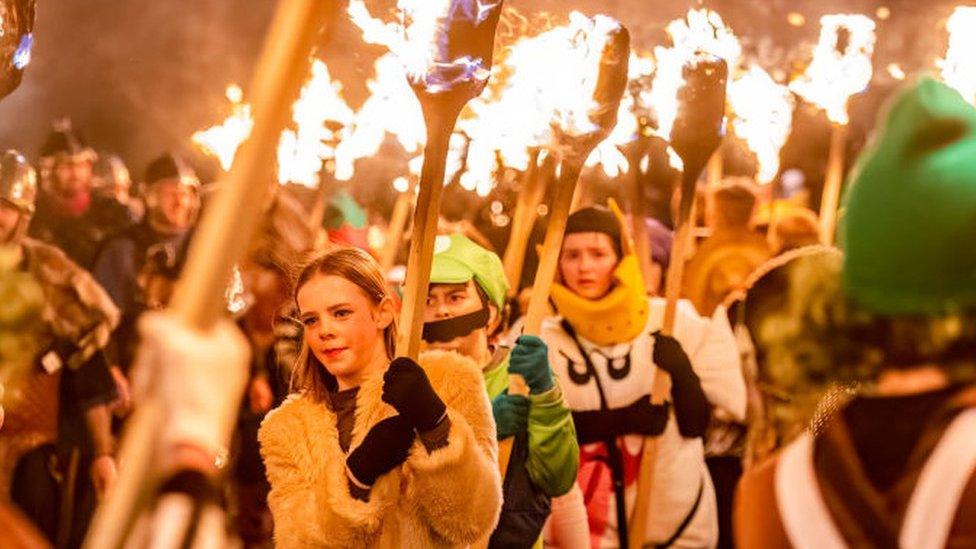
(840, 68)
(702, 31)
(763, 118)
(301, 152)
(959, 65)
(223, 140)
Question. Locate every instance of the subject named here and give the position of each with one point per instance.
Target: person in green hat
(894, 467)
(465, 306)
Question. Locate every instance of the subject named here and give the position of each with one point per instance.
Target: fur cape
(450, 498)
(76, 309)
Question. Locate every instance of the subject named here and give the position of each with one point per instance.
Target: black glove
(639, 418)
(385, 447)
(406, 388)
(691, 407)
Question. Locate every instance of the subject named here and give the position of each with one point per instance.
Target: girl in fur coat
(369, 452)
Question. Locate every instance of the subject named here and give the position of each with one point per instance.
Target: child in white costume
(605, 347)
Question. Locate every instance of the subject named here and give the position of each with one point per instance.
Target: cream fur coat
(450, 498)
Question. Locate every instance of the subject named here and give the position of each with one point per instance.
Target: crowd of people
(819, 396)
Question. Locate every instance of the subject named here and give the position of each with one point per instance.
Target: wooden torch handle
(833, 181)
(222, 236)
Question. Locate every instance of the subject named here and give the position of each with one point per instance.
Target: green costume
(545, 454)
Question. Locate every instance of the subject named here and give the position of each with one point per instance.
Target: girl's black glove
(406, 388)
(691, 407)
(384, 448)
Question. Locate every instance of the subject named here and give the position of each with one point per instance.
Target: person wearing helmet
(62, 417)
(112, 180)
(69, 215)
(172, 193)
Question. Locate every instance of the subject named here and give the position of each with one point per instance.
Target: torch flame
(391, 108)
(841, 65)
(534, 96)
(959, 65)
(702, 31)
(420, 40)
(763, 118)
(301, 152)
(223, 139)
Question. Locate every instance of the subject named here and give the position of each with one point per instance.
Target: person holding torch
(374, 451)
(465, 306)
(605, 347)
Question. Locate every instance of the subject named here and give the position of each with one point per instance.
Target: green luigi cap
(910, 212)
(457, 260)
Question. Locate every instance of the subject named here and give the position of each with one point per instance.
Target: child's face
(452, 300)
(343, 327)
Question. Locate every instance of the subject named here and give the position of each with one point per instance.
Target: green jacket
(553, 457)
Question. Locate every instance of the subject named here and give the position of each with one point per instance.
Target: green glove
(530, 359)
(511, 414)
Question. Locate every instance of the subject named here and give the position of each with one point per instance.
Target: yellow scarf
(615, 318)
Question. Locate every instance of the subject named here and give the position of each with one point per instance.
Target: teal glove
(511, 414)
(530, 359)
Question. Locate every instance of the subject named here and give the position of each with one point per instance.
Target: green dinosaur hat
(457, 259)
(909, 215)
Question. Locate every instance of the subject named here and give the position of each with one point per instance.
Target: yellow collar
(618, 317)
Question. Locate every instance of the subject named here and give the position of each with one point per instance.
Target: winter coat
(448, 498)
(683, 489)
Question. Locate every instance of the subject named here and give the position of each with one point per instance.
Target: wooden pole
(661, 387)
(440, 116)
(715, 171)
(833, 181)
(523, 219)
(322, 195)
(544, 275)
(638, 210)
(222, 237)
(549, 259)
(398, 222)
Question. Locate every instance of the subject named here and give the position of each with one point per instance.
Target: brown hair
(356, 266)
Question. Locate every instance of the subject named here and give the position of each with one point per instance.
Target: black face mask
(447, 330)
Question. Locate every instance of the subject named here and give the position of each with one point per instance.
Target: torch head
(16, 39)
(449, 44)
(700, 125)
(611, 82)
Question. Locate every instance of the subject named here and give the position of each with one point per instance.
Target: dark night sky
(139, 77)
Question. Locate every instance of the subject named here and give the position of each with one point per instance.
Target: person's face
(587, 262)
(9, 223)
(175, 204)
(72, 177)
(452, 300)
(344, 328)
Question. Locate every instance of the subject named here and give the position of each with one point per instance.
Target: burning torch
(696, 135)
(841, 67)
(448, 55)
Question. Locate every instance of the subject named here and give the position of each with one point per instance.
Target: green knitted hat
(909, 216)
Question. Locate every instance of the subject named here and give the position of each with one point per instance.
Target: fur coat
(449, 498)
